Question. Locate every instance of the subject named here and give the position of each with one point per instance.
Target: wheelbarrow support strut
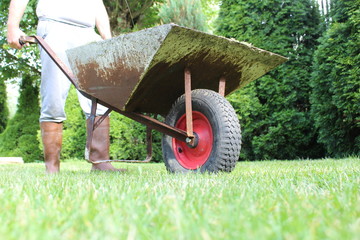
(93, 125)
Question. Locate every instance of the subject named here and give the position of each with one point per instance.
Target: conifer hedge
(274, 110)
(20, 136)
(4, 111)
(335, 94)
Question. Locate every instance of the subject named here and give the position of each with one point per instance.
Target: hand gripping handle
(27, 39)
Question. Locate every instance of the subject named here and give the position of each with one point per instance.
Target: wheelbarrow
(179, 73)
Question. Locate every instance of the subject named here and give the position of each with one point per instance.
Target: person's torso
(76, 12)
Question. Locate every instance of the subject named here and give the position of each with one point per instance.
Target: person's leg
(51, 134)
(53, 91)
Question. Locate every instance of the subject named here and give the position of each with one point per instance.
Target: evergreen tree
(20, 136)
(4, 112)
(187, 13)
(336, 82)
(275, 110)
(13, 62)
(130, 15)
(210, 9)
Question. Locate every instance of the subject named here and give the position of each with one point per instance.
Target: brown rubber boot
(99, 149)
(51, 134)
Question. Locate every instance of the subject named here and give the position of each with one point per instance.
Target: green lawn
(259, 200)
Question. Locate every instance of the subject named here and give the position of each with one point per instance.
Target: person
(64, 24)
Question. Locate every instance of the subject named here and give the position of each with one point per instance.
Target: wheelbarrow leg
(93, 125)
(188, 108)
(148, 144)
(90, 130)
(222, 86)
(188, 105)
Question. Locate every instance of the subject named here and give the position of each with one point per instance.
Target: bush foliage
(336, 82)
(4, 111)
(20, 137)
(187, 13)
(275, 110)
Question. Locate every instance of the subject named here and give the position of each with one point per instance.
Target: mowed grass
(258, 200)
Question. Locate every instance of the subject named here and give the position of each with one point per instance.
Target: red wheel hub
(193, 158)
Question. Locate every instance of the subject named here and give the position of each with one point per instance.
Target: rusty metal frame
(188, 105)
(90, 129)
(68, 73)
(151, 123)
(146, 120)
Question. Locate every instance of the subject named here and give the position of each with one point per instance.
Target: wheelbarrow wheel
(216, 129)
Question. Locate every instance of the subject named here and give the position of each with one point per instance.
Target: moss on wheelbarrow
(143, 71)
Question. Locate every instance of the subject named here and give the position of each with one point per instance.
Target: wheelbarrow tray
(144, 71)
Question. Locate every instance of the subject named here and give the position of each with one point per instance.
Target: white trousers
(55, 85)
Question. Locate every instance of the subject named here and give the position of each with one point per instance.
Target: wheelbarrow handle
(27, 39)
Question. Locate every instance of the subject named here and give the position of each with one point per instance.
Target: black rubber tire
(225, 128)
